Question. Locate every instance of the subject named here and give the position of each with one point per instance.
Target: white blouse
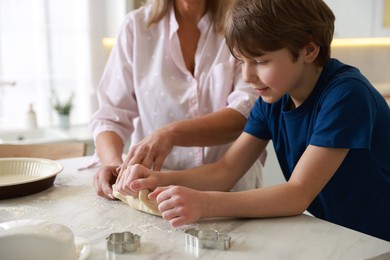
(146, 85)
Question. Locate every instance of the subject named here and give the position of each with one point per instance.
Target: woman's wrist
(170, 132)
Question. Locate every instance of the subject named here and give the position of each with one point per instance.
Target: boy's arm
(220, 176)
(223, 174)
(315, 168)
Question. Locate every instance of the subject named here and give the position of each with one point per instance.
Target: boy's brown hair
(258, 26)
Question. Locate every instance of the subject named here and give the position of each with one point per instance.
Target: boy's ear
(311, 52)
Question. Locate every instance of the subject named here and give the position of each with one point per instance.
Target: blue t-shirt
(343, 111)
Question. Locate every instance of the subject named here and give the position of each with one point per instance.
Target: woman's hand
(103, 179)
(180, 205)
(151, 151)
(135, 178)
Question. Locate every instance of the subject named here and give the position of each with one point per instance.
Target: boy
(329, 126)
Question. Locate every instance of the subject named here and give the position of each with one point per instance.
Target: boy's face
(273, 74)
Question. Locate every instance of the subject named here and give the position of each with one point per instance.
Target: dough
(142, 203)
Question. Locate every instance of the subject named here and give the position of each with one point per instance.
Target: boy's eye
(262, 62)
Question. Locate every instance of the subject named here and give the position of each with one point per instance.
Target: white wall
(359, 18)
(373, 61)
(106, 17)
(272, 173)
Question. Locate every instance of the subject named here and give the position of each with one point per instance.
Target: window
(52, 46)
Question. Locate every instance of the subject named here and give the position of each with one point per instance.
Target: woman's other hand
(103, 180)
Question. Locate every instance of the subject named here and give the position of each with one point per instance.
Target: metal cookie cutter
(210, 239)
(123, 243)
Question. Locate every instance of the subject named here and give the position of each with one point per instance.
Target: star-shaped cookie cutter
(207, 238)
(123, 243)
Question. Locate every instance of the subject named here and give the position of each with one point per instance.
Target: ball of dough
(142, 203)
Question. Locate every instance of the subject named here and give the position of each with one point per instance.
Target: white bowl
(25, 176)
(37, 240)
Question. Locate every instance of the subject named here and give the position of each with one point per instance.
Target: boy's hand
(179, 205)
(135, 178)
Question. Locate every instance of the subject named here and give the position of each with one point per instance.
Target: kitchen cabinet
(359, 18)
(79, 133)
(382, 10)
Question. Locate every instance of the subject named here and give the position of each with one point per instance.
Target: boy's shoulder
(340, 81)
(342, 77)
(336, 70)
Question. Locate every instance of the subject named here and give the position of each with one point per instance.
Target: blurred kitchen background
(55, 49)
(54, 46)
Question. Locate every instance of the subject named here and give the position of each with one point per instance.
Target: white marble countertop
(72, 202)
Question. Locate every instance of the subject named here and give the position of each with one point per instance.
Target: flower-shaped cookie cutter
(123, 243)
(207, 238)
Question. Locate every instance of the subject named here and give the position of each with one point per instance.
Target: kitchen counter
(72, 202)
(79, 133)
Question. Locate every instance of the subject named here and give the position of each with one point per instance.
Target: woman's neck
(189, 10)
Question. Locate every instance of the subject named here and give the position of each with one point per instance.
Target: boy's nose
(247, 74)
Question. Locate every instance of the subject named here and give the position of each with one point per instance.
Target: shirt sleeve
(257, 124)
(117, 102)
(243, 97)
(346, 116)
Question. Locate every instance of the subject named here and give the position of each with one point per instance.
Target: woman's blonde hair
(217, 10)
